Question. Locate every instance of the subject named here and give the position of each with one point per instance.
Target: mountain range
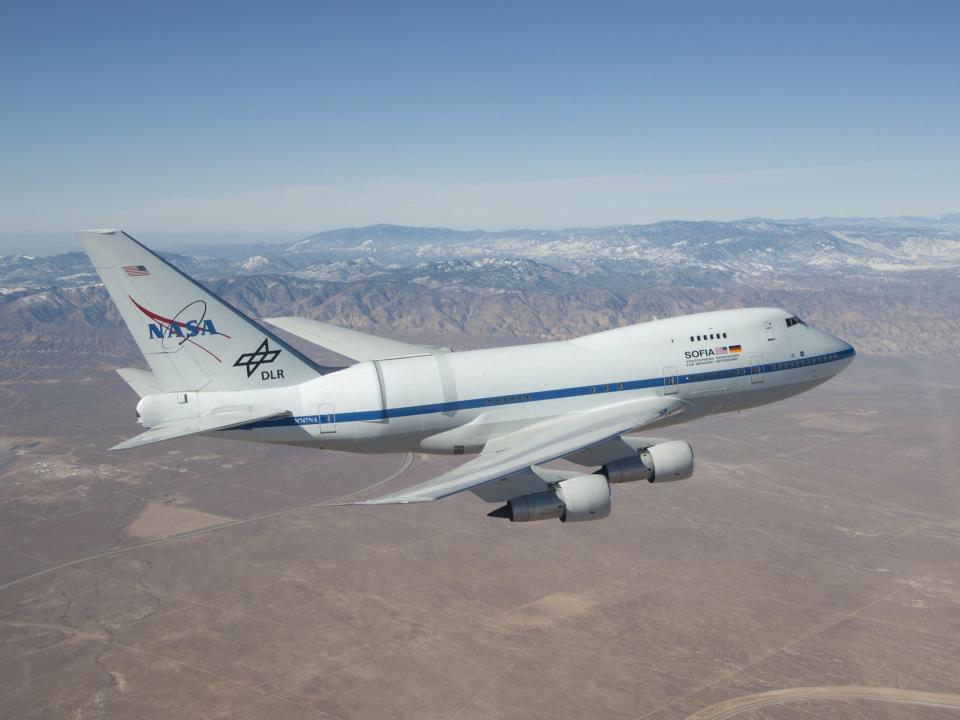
(891, 286)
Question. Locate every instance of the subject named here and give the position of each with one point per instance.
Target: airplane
(216, 372)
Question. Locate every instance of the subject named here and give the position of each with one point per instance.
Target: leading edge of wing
(539, 443)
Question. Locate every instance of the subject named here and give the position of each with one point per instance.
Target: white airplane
(216, 372)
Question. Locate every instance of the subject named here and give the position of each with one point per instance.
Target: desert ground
(809, 569)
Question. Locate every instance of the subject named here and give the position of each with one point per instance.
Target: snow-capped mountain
(891, 287)
(748, 248)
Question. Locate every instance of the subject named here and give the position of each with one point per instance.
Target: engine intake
(662, 462)
(581, 498)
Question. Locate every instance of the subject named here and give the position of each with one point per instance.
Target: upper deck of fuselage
(677, 327)
(611, 355)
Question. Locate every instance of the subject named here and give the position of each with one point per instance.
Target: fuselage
(453, 402)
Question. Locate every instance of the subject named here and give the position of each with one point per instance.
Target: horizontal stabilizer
(349, 343)
(223, 420)
(143, 382)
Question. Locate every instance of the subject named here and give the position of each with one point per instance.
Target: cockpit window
(791, 321)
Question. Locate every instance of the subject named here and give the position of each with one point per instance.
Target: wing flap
(540, 443)
(220, 420)
(350, 343)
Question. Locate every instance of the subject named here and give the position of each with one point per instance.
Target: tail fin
(192, 339)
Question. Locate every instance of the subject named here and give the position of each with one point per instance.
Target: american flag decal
(136, 270)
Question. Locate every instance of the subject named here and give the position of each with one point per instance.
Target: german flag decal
(735, 348)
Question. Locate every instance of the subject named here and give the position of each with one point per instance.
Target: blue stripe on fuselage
(537, 396)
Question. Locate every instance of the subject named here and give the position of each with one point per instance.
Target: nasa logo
(185, 325)
(178, 325)
(191, 328)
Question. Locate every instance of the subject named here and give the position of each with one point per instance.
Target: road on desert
(747, 703)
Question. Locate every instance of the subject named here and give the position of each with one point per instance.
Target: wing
(221, 420)
(539, 443)
(350, 343)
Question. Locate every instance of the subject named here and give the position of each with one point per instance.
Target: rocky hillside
(889, 287)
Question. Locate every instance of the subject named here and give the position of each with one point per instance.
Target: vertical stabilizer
(191, 338)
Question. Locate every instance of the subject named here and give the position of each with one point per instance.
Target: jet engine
(662, 462)
(580, 498)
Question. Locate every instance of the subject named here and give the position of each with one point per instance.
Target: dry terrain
(810, 569)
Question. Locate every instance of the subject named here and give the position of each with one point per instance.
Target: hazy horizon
(533, 116)
(40, 244)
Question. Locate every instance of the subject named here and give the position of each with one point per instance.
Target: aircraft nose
(832, 345)
(842, 347)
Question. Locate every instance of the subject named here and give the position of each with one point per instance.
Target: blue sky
(215, 121)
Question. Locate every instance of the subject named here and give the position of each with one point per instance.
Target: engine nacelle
(585, 497)
(662, 462)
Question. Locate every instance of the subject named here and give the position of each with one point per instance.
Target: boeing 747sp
(215, 372)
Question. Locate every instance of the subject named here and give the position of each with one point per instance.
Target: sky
(233, 121)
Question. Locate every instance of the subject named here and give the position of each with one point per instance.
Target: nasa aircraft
(215, 372)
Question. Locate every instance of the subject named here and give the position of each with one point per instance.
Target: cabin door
(670, 380)
(756, 369)
(326, 418)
